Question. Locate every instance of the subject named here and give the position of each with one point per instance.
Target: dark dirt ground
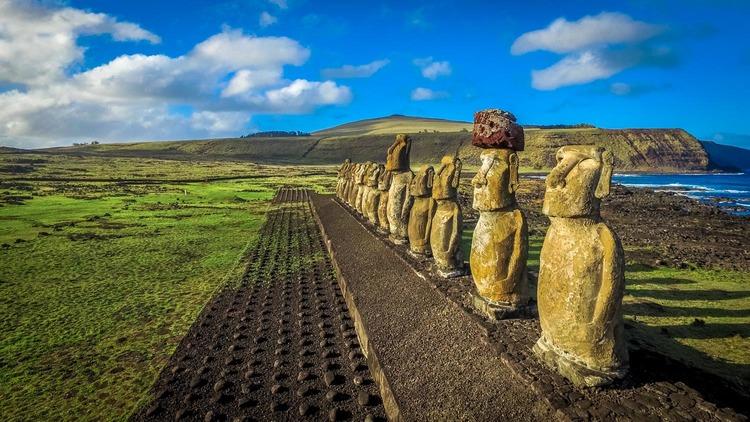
(656, 228)
(281, 346)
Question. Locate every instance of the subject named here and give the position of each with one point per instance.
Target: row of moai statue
(581, 276)
(403, 205)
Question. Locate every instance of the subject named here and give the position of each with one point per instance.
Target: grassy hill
(394, 124)
(634, 149)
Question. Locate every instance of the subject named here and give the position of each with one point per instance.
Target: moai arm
(610, 291)
(431, 211)
(520, 246)
(408, 200)
(455, 234)
(456, 174)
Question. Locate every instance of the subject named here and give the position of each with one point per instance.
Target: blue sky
(158, 70)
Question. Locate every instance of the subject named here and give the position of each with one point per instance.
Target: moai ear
(514, 182)
(605, 178)
(456, 173)
(430, 177)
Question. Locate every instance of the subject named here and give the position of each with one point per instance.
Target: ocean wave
(675, 174)
(684, 187)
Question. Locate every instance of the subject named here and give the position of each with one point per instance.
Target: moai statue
(447, 222)
(384, 184)
(373, 194)
(420, 215)
(341, 180)
(361, 179)
(581, 274)
(500, 243)
(351, 193)
(399, 200)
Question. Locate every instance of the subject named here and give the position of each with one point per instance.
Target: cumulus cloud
(563, 36)
(432, 69)
(38, 44)
(594, 47)
(351, 71)
(211, 90)
(426, 94)
(266, 19)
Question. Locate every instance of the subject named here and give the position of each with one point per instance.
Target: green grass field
(100, 280)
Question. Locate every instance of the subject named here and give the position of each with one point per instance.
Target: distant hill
(11, 150)
(275, 134)
(394, 124)
(666, 150)
(727, 157)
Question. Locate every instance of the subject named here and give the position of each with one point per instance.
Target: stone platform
(435, 358)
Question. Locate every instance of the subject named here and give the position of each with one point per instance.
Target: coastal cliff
(662, 150)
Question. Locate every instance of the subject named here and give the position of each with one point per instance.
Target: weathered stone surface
(361, 195)
(399, 205)
(384, 184)
(342, 176)
(581, 276)
(500, 242)
(420, 215)
(447, 221)
(495, 128)
(398, 154)
(350, 193)
(372, 202)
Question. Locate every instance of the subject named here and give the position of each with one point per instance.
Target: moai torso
(581, 274)
(384, 183)
(399, 200)
(420, 215)
(361, 187)
(499, 246)
(373, 194)
(351, 192)
(447, 221)
(340, 181)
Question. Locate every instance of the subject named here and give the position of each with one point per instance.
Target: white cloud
(350, 71)
(266, 19)
(587, 45)
(210, 91)
(432, 69)
(281, 4)
(38, 44)
(563, 36)
(573, 70)
(425, 94)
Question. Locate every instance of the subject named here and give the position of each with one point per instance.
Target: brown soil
(281, 346)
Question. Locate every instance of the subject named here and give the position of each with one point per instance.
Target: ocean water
(728, 190)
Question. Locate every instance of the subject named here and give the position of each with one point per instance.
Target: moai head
(581, 178)
(398, 154)
(447, 178)
(384, 178)
(421, 185)
(495, 128)
(496, 181)
(344, 167)
(373, 174)
(362, 173)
